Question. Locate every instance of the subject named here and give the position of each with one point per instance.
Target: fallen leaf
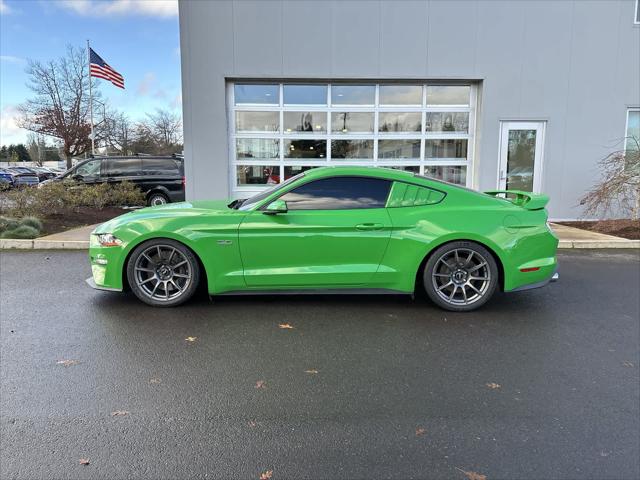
(473, 475)
(285, 326)
(67, 363)
(119, 413)
(191, 339)
(493, 386)
(261, 384)
(420, 432)
(84, 461)
(627, 363)
(266, 475)
(313, 371)
(155, 380)
(252, 423)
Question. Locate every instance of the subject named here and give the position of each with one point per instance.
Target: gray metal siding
(574, 64)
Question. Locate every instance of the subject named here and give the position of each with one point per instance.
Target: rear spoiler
(530, 201)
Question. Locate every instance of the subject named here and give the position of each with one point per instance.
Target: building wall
(574, 64)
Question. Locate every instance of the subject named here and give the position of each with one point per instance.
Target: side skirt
(316, 291)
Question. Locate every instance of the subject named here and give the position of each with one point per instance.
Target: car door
(120, 169)
(334, 234)
(87, 172)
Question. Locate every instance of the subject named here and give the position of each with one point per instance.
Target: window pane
(258, 174)
(400, 95)
(352, 122)
(399, 122)
(447, 122)
(352, 149)
(410, 168)
(448, 95)
(452, 174)
(123, 167)
(633, 130)
(339, 193)
(269, 94)
(305, 122)
(305, 94)
(399, 149)
(257, 148)
(89, 169)
(352, 94)
(257, 121)
(293, 170)
(449, 148)
(305, 148)
(160, 166)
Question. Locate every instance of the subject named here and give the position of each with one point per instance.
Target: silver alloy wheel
(158, 200)
(461, 276)
(162, 272)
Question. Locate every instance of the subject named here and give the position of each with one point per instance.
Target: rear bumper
(553, 278)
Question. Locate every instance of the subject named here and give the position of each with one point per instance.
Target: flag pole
(93, 143)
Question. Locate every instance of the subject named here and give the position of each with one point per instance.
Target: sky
(138, 38)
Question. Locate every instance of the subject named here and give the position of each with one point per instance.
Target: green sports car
(334, 229)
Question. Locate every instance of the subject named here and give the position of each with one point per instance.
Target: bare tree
(618, 191)
(60, 107)
(159, 133)
(119, 133)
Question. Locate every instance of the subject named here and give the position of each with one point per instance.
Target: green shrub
(32, 222)
(23, 231)
(126, 194)
(7, 223)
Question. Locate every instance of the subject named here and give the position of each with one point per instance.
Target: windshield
(251, 202)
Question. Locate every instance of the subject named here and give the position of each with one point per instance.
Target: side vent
(408, 195)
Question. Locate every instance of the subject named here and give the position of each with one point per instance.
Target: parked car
(333, 229)
(6, 179)
(23, 176)
(44, 173)
(161, 178)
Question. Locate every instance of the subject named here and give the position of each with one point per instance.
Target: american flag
(99, 68)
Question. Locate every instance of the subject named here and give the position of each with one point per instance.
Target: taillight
(184, 181)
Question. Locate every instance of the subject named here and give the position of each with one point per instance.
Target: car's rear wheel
(157, 198)
(460, 276)
(163, 273)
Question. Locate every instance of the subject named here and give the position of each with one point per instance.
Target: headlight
(108, 240)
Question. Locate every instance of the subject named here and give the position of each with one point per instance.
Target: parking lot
(538, 384)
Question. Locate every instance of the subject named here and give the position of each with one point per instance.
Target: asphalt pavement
(541, 384)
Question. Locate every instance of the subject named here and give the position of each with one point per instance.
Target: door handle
(369, 226)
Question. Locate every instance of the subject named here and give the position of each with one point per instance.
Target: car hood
(167, 212)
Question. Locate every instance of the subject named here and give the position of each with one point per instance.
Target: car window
(339, 193)
(122, 167)
(89, 169)
(160, 166)
(252, 201)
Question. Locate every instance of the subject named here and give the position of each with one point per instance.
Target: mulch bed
(78, 218)
(620, 228)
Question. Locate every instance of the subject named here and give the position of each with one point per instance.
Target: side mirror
(275, 207)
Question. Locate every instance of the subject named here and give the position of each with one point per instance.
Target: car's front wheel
(163, 273)
(460, 276)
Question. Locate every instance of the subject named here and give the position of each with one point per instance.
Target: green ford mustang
(355, 229)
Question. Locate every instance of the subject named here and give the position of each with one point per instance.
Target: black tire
(157, 198)
(163, 273)
(460, 276)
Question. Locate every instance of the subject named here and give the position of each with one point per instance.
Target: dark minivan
(161, 179)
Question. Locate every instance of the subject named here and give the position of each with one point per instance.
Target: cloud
(10, 132)
(4, 8)
(12, 59)
(152, 8)
(146, 84)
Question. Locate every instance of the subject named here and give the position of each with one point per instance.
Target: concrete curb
(613, 244)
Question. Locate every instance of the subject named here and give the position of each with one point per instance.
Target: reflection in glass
(293, 170)
(633, 128)
(447, 122)
(521, 160)
(264, 94)
(257, 121)
(305, 94)
(448, 95)
(352, 122)
(339, 193)
(399, 122)
(453, 174)
(352, 149)
(400, 95)
(305, 122)
(352, 94)
(406, 168)
(257, 174)
(257, 148)
(399, 149)
(305, 148)
(445, 148)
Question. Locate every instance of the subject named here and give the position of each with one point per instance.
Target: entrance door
(521, 152)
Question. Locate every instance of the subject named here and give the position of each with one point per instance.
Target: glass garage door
(278, 130)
